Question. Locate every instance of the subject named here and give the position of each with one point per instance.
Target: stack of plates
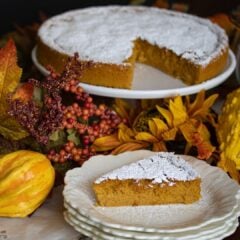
(214, 216)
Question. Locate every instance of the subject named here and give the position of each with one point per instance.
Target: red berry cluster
(71, 152)
(79, 115)
(88, 120)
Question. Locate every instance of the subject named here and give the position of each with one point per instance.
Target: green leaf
(73, 136)
(38, 95)
(57, 139)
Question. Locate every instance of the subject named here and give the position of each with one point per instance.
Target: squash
(26, 179)
(228, 133)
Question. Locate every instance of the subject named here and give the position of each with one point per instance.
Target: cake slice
(163, 178)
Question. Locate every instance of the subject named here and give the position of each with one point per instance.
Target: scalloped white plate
(215, 204)
(211, 230)
(227, 229)
(151, 83)
(127, 233)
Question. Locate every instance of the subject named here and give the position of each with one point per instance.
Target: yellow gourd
(26, 178)
(229, 132)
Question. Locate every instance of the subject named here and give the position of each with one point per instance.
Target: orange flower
(174, 118)
(196, 134)
(189, 118)
(158, 134)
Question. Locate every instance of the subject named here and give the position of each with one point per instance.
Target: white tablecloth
(46, 223)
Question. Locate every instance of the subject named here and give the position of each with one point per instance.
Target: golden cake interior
(114, 193)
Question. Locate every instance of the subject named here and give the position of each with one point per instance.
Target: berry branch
(65, 107)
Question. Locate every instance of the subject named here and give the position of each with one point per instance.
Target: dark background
(24, 12)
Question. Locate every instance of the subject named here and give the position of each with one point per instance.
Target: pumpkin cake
(163, 178)
(113, 38)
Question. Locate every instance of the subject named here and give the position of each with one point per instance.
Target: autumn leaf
(10, 75)
(24, 92)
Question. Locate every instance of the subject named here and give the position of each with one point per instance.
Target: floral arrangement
(175, 120)
(57, 117)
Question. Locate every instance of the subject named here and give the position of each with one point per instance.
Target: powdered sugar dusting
(107, 34)
(160, 168)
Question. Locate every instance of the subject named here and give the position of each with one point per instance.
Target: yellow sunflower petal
(160, 125)
(131, 146)
(178, 111)
(205, 108)
(124, 136)
(106, 143)
(170, 134)
(166, 114)
(122, 107)
(203, 130)
(145, 136)
(188, 129)
(153, 128)
(197, 104)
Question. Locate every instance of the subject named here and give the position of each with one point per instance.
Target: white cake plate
(150, 83)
